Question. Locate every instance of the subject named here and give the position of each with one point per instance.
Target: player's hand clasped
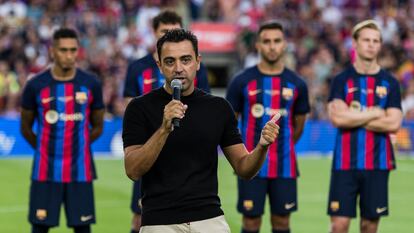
(270, 131)
(174, 109)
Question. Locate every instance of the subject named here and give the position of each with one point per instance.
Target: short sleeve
(234, 95)
(130, 86)
(337, 89)
(394, 97)
(134, 130)
(202, 79)
(29, 96)
(96, 90)
(302, 103)
(231, 134)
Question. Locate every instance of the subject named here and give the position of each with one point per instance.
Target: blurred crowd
(112, 33)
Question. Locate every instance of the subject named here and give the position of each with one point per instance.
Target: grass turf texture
(113, 190)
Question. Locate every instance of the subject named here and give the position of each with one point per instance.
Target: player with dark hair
(365, 106)
(178, 166)
(143, 74)
(142, 77)
(256, 94)
(67, 105)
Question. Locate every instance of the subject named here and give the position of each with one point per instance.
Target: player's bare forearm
(30, 137)
(350, 119)
(140, 158)
(26, 123)
(95, 133)
(342, 117)
(97, 118)
(390, 123)
(298, 125)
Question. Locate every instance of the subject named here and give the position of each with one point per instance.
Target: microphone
(176, 85)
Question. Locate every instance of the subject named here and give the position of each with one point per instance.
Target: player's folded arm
(342, 116)
(390, 123)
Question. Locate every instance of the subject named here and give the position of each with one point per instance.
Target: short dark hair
(177, 35)
(166, 17)
(64, 33)
(270, 25)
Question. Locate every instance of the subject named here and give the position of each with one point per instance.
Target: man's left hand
(270, 131)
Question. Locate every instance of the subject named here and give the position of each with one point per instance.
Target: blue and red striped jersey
(143, 75)
(358, 148)
(62, 110)
(256, 97)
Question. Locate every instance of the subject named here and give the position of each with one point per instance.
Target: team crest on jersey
(41, 214)
(334, 206)
(81, 97)
(257, 110)
(287, 93)
(381, 91)
(248, 204)
(355, 106)
(51, 116)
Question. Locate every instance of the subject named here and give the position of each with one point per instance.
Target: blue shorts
(370, 186)
(47, 197)
(136, 197)
(252, 195)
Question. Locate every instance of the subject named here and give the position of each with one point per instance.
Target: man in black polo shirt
(178, 166)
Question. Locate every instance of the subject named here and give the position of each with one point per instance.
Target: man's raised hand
(270, 131)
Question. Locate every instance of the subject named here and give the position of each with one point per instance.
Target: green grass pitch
(113, 190)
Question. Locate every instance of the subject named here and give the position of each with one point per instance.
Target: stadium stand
(112, 34)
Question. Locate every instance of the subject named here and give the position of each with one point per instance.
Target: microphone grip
(176, 93)
(176, 122)
(176, 96)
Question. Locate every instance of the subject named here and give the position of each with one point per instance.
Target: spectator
(318, 33)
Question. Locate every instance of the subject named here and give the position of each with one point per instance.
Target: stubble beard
(66, 69)
(270, 61)
(368, 59)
